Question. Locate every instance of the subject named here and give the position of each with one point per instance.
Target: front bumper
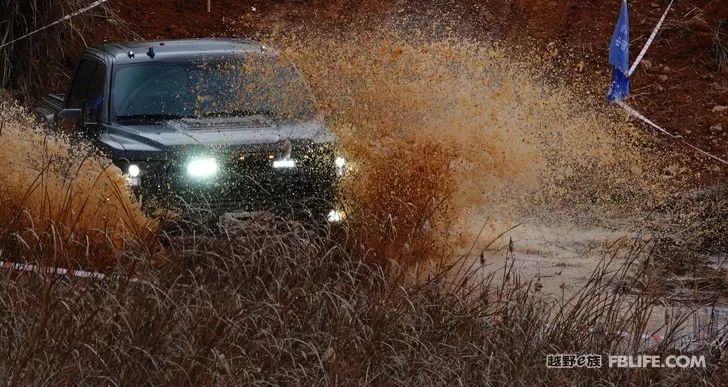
(246, 181)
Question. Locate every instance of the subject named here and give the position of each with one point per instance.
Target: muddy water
(446, 135)
(560, 258)
(559, 261)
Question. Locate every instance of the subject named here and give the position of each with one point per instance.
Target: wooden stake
(209, 5)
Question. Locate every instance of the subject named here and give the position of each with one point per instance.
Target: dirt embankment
(679, 85)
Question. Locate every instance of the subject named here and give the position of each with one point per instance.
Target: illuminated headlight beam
(202, 168)
(133, 176)
(340, 164)
(284, 163)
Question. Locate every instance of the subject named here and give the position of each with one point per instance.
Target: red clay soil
(683, 84)
(679, 86)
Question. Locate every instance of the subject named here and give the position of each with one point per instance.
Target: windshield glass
(209, 88)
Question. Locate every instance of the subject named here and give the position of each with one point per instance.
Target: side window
(80, 85)
(95, 95)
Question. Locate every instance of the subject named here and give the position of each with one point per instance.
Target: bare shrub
(692, 230)
(720, 44)
(25, 65)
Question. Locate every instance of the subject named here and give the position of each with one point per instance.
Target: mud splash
(447, 134)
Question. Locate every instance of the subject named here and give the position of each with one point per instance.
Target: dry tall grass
(67, 200)
(272, 303)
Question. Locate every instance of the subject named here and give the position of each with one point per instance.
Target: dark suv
(224, 125)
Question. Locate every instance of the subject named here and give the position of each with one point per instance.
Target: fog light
(202, 168)
(133, 170)
(336, 216)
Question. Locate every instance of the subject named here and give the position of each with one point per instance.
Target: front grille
(247, 181)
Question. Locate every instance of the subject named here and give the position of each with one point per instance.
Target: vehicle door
(88, 94)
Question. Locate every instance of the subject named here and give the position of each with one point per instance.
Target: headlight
(132, 176)
(340, 164)
(202, 168)
(133, 170)
(284, 163)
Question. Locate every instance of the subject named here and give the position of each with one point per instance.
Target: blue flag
(619, 56)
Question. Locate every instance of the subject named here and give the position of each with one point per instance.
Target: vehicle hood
(219, 132)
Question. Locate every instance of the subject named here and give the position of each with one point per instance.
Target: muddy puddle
(559, 259)
(497, 155)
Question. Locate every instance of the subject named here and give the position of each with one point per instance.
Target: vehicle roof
(171, 49)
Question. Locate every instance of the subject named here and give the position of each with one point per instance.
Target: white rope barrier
(636, 114)
(37, 269)
(641, 117)
(646, 120)
(51, 270)
(649, 41)
(67, 17)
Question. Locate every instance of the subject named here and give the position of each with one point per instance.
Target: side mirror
(73, 114)
(68, 120)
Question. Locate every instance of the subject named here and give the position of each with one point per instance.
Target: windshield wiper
(149, 117)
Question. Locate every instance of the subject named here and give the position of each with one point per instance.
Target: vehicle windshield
(240, 86)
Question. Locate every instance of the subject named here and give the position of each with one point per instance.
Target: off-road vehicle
(223, 125)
